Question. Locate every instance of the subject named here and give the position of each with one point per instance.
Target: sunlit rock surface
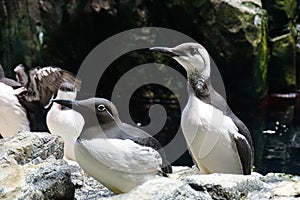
(32, 167)
(164, 188)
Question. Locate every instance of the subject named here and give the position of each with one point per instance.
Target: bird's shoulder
(139, 136)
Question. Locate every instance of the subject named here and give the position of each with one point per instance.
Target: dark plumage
(44, 83)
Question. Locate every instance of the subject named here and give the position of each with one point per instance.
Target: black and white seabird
(10, 82)
(13, 117)
(65, 122)
(118, 155)
(222, 146)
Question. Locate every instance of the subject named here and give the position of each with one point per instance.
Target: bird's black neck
(198, 84)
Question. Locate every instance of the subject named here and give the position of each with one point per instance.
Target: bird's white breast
(209, 135)
(117, 163)
(66, 124)
(13, 117)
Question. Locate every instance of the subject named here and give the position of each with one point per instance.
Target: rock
(234, 32)
(282, 69)
(235, 35)
(33, 29)
(53, 181)
(226, 186)
(283, 44)
(30, 169)
(47, 180)
(163, 189)
(86, 186)
(298, 53)
(283, 185)
(31, 147)
(280, 13)
(237, 41)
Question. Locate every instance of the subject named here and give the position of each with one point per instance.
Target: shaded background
(256, 46)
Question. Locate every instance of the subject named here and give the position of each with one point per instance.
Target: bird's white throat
(70, 95)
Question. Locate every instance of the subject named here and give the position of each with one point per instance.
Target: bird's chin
(184, 63)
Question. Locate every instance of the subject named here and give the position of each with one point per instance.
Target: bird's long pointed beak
(68, 103)
(165, 51)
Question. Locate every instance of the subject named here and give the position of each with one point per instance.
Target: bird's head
(104, 110)
(67, 91)
(191, 56)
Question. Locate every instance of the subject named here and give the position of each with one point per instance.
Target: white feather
(209, 135)
(122, 164)
(13, 117)
(65, 123)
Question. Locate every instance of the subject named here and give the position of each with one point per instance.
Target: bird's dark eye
(193, 51)
(101, 108)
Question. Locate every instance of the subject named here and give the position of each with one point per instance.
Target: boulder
(226, 186)
(32, 167)
(298, 55)
(233, 32)
(85, 186)
(164, 189)
(282, 66)
(216, 186)
(47, 180)
(31, 147)
(283, 44)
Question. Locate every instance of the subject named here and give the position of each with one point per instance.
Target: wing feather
(124, 155)
(45, 82)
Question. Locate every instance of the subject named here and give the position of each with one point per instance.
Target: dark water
(275, 128)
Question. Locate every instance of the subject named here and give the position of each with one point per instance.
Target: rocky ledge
(32, 167)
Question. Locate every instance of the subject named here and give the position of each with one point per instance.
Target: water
(274, 125)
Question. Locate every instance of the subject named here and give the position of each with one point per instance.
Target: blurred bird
(21, 75)
(218, 141)
(40, 85)
(30, 97)
(118, 155)
(13, 117)
(10, 82)
(65, 122)
(43, 83)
